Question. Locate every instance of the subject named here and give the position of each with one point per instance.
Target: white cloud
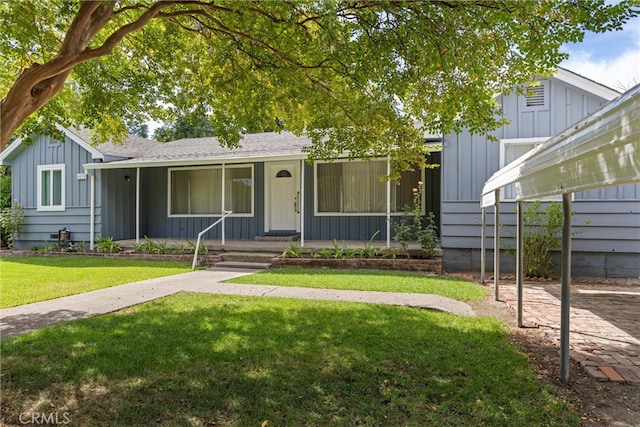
(621, 72)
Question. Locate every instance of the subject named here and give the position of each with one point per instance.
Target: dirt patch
(597, 403)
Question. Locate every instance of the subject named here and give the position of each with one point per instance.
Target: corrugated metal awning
(600, 151)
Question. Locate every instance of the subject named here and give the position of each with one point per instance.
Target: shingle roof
(133, 147)
(142, 151)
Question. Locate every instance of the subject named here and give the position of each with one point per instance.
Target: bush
(107, 245)
(11, 220)
(411, 226)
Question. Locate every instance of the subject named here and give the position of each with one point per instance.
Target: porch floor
(233, 245)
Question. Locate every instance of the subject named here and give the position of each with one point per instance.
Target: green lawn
(32, 279)
(367, 280)
(197, 359)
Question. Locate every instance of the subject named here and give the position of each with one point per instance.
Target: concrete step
(242, 265)
(278, 238)
(260, 257)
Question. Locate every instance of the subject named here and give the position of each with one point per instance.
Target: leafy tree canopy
(193, 124)
(356, 76)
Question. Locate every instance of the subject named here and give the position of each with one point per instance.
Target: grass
(33, 279)
(367, 280)
(196, 359)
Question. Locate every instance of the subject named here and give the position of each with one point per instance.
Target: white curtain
(238, 189)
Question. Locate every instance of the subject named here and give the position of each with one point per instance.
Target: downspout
(389, 201)
(137, 205)
(483, 246)
(92, 209)
(496, 248)
(301, 203)
(224, 184)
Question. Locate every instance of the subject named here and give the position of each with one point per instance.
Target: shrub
(411, 226)
(107, 245)
(11, 220)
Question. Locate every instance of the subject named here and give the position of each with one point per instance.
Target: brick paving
(604, 324)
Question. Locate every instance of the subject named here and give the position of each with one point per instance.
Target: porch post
(301, 203)
(388, 202)
(483, 246)
(92, 211)
(224, 184)
(137, 205)
(519, 262)
(565, 295)
(496, 248)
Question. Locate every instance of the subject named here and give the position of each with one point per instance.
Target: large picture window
(198, 191)
(356, 187)
(51, 188)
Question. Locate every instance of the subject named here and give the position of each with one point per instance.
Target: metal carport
(600, 151)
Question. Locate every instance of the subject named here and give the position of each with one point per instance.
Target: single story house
(179, 188)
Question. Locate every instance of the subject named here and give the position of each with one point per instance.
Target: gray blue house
(176, 189)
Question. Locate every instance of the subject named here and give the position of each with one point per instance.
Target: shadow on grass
(23, 323)
(198, 359)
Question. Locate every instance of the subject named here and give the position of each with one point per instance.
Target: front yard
(31, 279)
(200, 359)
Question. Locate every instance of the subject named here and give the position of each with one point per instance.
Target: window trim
(347, 214)
(214, 215)
(51, 208)
(536, 141)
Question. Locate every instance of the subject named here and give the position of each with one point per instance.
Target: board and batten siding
(38, 226)
(608, 246)
(155, 221)
(363, 227)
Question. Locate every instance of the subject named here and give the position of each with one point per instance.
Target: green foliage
(370, 251)
(5, 187)
(411, 225)
(292, 251)
(194, 124)
(107, 245)
(11, 220)
(427, 235)
(541, 235)
(335, 70)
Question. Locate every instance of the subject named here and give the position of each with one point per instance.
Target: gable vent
(535, 98)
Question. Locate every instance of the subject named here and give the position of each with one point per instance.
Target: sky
(611, 58)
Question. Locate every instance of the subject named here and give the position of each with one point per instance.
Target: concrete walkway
(27, 318)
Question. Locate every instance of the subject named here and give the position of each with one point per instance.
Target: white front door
(282, 196)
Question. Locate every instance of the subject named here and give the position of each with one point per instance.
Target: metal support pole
(565, 301)
(301, 202)
(483, 247)
(496, 249)
(519, 262)
(224, 184)
(137, 205)
(388, 202)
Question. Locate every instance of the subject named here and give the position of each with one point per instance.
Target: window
(511, 150)
(198, 191)
(356, 188)
(51, 187)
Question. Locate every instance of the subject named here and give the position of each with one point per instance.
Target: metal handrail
(195, 255)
